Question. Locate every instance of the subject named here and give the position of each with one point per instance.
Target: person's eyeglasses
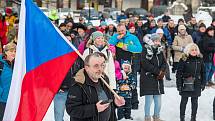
(97, 66)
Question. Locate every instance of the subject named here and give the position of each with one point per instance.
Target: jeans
(2, 108)
(59, 105)
(209, 68)
(194, 105)
(125, 110)
(157, 103)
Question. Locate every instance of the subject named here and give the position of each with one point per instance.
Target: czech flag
(43, 58)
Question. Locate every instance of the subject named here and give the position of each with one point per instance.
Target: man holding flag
(88, 98)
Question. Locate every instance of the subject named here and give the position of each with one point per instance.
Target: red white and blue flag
(43, 58)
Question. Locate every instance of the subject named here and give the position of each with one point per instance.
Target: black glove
(202, 87)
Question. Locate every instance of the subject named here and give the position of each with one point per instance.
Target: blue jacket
(132, 42)
(166, 34)
(5, 80)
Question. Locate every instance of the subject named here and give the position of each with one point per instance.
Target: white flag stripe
(18, 72)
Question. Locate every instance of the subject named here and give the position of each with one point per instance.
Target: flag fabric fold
(43, 58)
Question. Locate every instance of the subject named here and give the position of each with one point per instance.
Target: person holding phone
(87, 95)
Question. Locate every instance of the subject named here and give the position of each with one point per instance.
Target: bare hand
(120, 36)
(101, 107)
(124, 47)
(119, 102)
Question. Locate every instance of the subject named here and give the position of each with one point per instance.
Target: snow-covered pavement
(170, 107)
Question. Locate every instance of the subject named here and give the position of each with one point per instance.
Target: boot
(193, 118)
(155, 118)
(148, 119)
(182, 118)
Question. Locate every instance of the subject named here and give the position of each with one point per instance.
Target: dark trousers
(134, 99)
(125, 111)
(174, 67)
(194, 106)
(2, 108)
(214, 109)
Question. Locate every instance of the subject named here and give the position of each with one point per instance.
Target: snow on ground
(170, 106)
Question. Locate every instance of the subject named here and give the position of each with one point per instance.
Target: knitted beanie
(96, 34)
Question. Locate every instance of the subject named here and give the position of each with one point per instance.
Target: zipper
(157, 80)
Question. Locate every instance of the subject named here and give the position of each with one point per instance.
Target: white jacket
(110, 67)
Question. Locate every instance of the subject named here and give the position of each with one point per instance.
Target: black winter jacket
(150, 69)
(207, 48)
(82, 99)
(190, 66)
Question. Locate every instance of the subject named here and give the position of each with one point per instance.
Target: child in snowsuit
(124, 89)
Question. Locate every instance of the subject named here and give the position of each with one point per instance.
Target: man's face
(193, 20)
(171, 24)
(96, 67)
(121, 30)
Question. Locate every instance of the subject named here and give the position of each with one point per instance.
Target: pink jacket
(117, 70)
(214, 59)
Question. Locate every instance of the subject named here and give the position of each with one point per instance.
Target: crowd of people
(116, 54)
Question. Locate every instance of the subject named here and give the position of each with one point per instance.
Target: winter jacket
(81, 106)
(166, 34)
(192, 28)
(150, 69)
(190, 66)
(214, 59)
(110, 68)
(5, 80)
(197, 36)
(207, 48)
(179, 44)
(133, 46)
(3, 32)
(125, 86)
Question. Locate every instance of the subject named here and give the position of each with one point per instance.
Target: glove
(161, 75)
(202, 87)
